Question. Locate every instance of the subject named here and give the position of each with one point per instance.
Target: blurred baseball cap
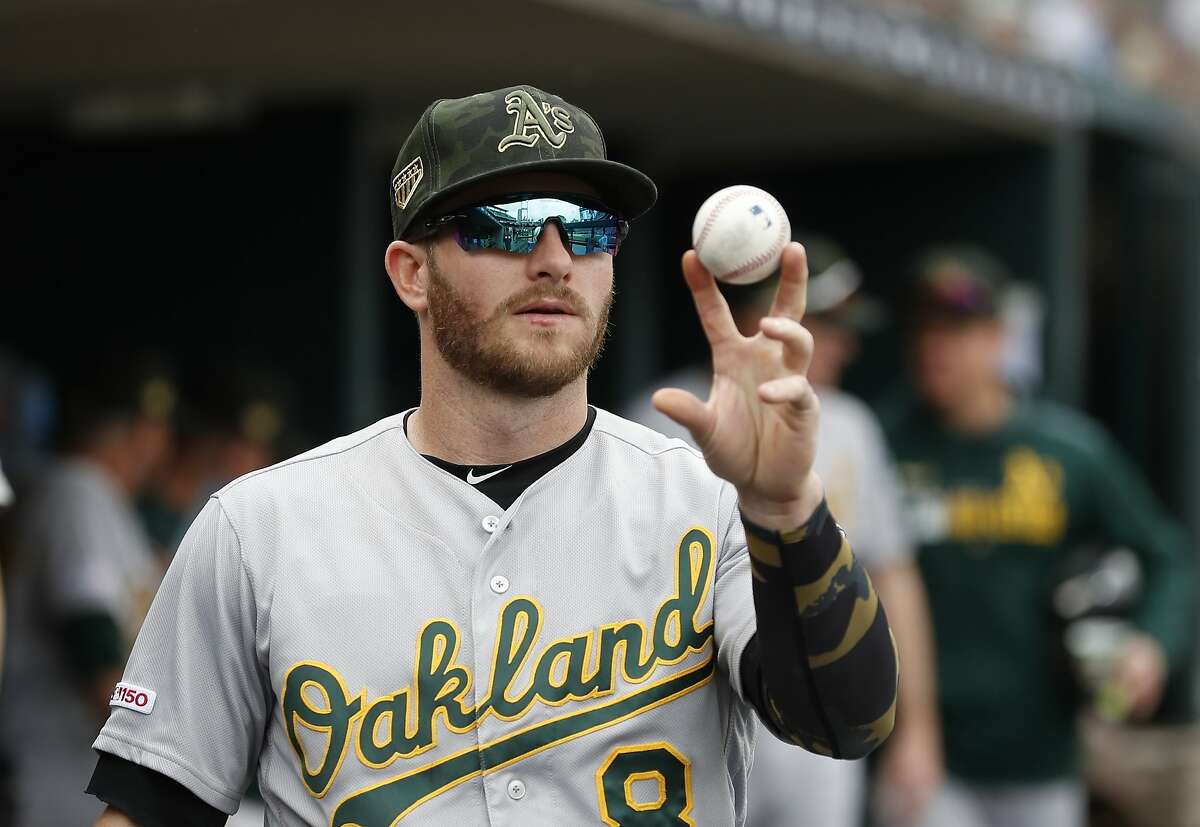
(460, 142)
(835, 293)
(958, 283)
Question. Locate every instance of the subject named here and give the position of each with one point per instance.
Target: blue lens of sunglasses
(514, 224)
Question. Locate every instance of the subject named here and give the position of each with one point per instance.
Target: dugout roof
(689, 76)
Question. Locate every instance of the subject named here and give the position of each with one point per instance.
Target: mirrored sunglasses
(514, 223)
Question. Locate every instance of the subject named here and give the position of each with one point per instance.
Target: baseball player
(505, 606)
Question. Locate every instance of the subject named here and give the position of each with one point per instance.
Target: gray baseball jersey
(383, 643)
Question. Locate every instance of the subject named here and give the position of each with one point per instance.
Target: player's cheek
(602, 281)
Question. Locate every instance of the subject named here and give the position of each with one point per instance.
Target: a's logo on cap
(535, 122)
(405, 183)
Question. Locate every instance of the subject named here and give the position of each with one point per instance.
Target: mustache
(537, 292)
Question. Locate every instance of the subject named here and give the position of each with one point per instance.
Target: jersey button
(516, 789)
(490, 523)
(499, 584)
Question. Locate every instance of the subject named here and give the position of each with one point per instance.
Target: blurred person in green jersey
(998, 490)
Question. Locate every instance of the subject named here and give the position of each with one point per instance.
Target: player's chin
(562, 331)
(551, 350)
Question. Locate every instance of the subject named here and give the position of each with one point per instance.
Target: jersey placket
(510, 797)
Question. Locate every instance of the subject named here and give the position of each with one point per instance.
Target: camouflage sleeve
(824, 655)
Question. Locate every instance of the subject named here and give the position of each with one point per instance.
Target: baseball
(739, 234)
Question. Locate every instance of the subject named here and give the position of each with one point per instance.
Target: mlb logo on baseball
(133, 697)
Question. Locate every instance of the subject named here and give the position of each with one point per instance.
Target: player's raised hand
(758, 428)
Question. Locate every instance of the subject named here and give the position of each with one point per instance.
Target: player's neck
(464, 423)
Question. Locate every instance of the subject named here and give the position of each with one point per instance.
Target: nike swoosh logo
(474, 480)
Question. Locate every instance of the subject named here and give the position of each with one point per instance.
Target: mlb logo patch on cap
(406, 181)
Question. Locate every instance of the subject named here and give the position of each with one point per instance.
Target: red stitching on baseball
(749, 265)
(767, 256)
(712, 216)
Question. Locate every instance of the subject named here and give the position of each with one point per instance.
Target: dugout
(211, 178)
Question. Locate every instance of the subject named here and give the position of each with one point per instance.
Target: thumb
(685, 409)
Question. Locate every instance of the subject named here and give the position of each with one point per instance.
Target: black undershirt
(503, 484)
(152, 799)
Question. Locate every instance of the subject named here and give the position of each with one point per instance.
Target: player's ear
(405, 265)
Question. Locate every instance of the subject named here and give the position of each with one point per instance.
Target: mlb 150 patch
(133, 697)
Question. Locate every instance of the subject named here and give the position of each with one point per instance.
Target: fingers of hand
(792, 390)
(685, 409)
(710, 304)
(797, 341)
(792, 296)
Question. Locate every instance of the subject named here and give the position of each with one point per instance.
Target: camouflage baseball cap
(460, 142)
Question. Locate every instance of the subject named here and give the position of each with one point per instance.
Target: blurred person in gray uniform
(81, 577)
(791, 787)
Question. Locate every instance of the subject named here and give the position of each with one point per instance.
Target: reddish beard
(476, 347)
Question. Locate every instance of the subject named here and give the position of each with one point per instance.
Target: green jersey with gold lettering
(376, 640)
(992, 515)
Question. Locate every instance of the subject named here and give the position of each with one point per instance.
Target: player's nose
(549, 257)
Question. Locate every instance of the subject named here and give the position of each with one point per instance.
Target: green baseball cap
(460, 142)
